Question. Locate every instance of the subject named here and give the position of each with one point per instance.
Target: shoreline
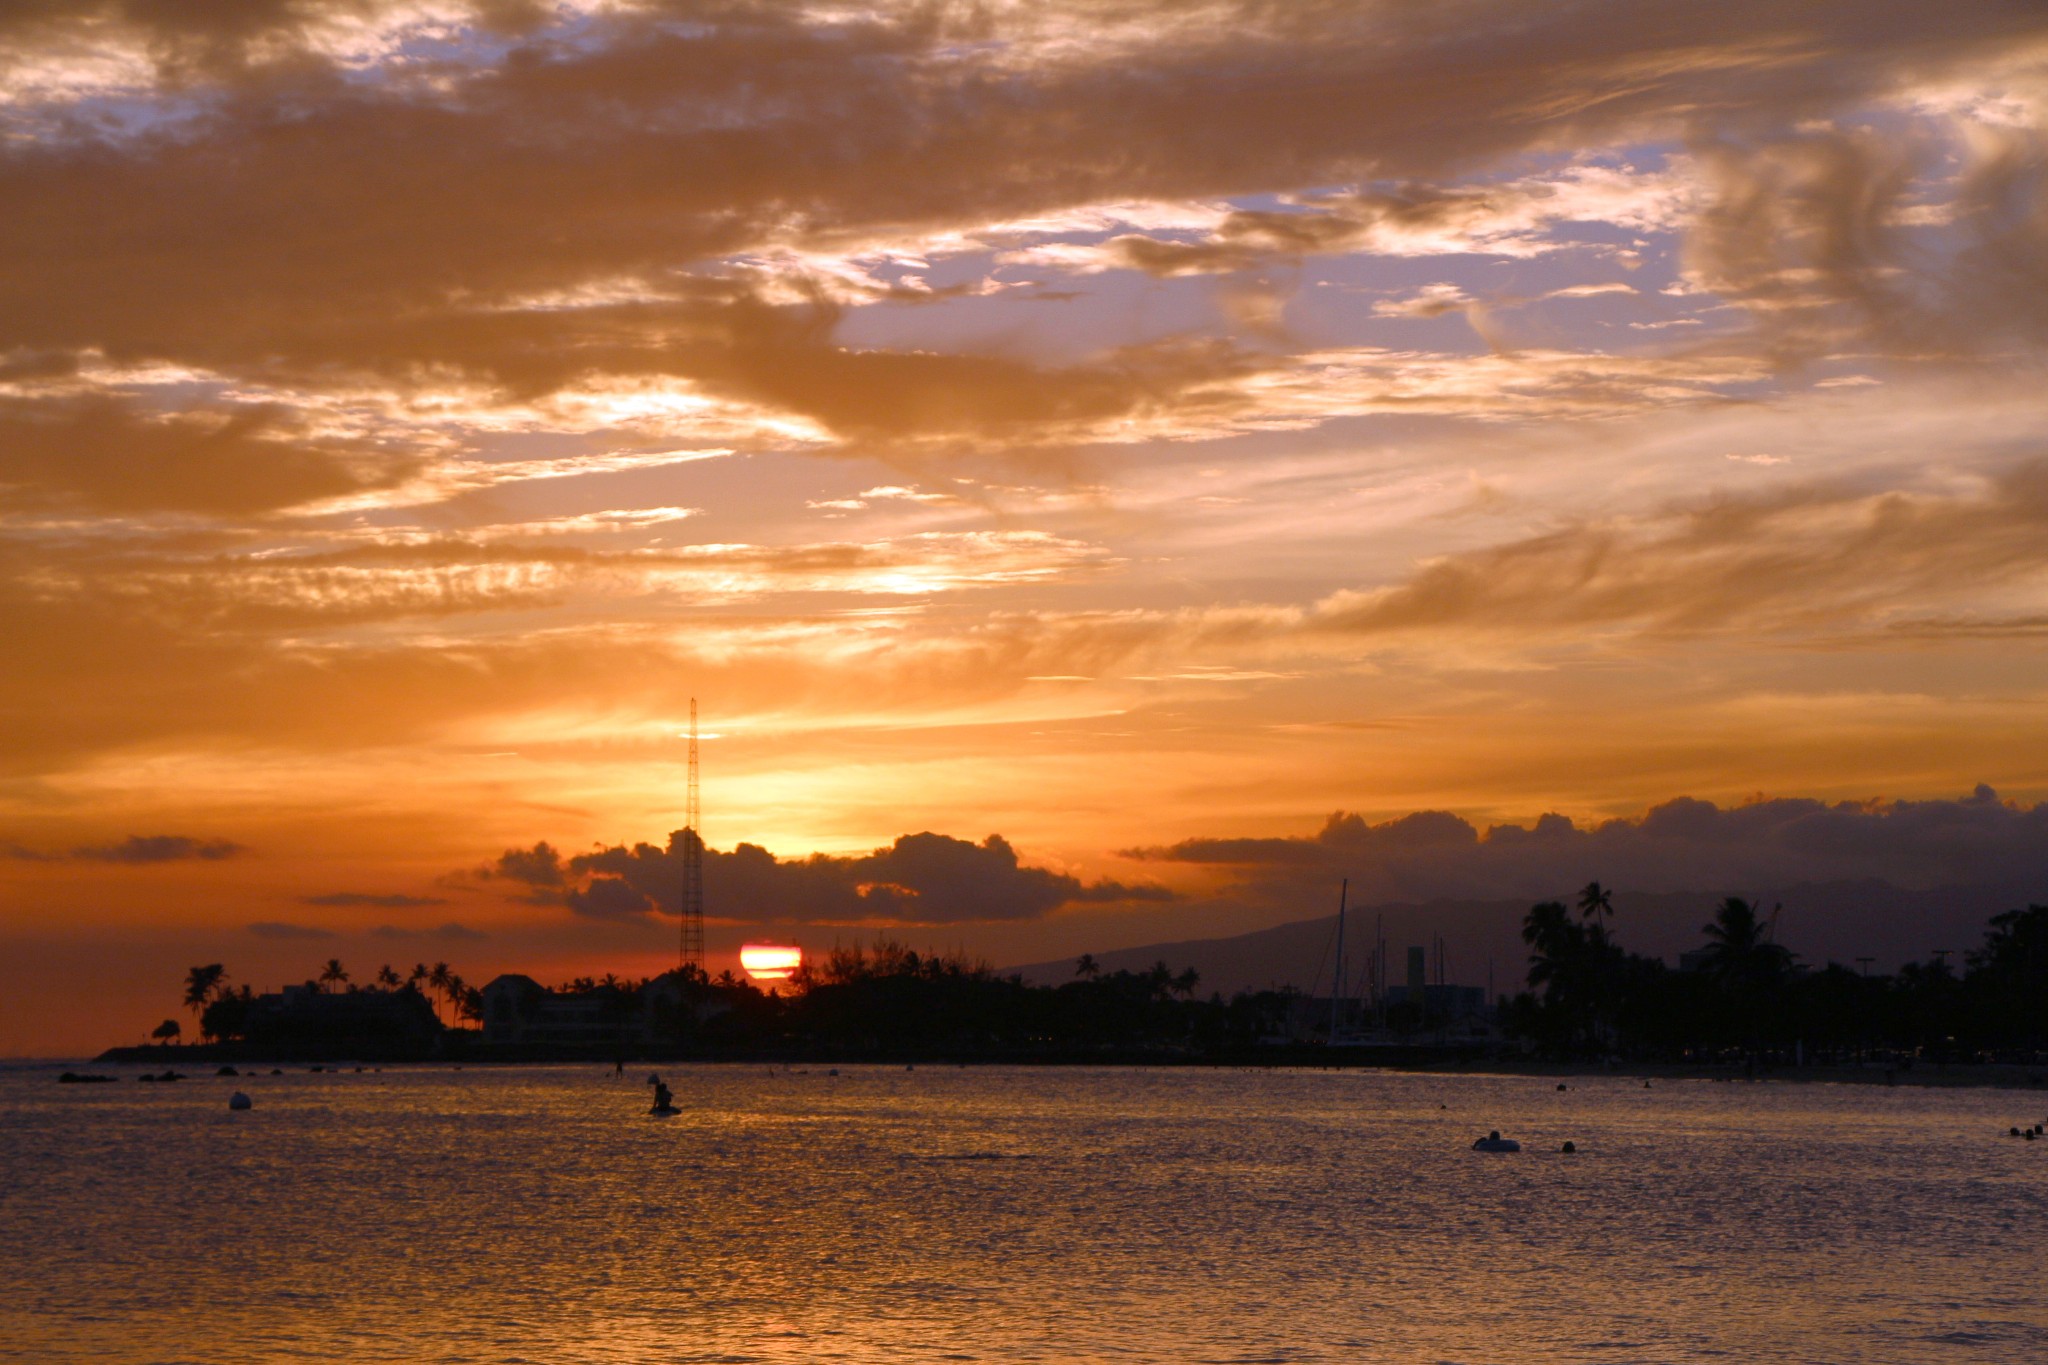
(1924, 1075)
(206, 1060)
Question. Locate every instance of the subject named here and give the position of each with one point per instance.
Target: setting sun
(770, 962)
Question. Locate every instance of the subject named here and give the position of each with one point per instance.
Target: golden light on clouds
(1096, 426)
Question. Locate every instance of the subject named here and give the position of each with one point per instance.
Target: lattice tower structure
(693, 863)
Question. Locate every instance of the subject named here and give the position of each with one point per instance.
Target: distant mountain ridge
(1821, 922)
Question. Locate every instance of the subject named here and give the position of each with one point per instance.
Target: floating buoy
(240, 1101)
(1494, 1142)
(1569, 1148)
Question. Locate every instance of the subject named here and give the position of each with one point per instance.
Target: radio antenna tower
(693, 863)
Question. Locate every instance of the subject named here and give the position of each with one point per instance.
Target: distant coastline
(1741, 1005)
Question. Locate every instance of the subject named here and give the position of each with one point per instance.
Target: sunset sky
(1102, 468)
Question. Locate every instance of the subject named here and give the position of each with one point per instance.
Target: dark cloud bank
(136, 849)
(354, 899)
(1681, 845)
(920, 879)
(284, 929)
(1889, 880)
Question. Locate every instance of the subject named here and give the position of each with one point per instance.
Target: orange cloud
(100, 455)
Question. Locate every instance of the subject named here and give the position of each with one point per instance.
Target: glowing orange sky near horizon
(1096, 425)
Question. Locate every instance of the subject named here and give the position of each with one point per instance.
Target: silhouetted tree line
(1741, 997)
(1745, 996)
(224, 1012)
(888, 998)
(881, 998)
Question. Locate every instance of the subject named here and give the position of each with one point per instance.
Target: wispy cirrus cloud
(388, 578)
(369, 899)
(1815, 559)
(452, 931)
(144, 849)
(1511, 219)
(286, 929)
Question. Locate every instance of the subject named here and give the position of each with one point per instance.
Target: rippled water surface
(1005, 1215)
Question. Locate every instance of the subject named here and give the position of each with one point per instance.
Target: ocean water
(1000, 1214)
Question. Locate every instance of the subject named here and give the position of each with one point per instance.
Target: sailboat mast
(1379, 967)
(1337, 983)
(692, 907)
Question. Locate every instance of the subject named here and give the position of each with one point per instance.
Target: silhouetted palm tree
(1087, 966)
(1571, 963)
(226, 1013)
(333, 973)
(1604, 960)
(387, 978)
(1550, 933)
(1739, 952)
(1750, 969)
(201, 983)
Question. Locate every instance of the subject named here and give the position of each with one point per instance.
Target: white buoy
(240, 1101)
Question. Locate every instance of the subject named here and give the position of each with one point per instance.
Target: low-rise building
(362, 1023)
(1444, 1004)
(520, 1012)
